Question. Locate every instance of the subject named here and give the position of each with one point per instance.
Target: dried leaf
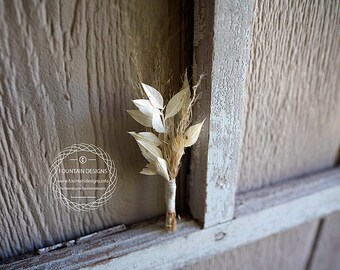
(162, 168)
(151, 137)
(185, 81)
(141, 118)
(176, 103)
(144, 106)
(147, 137)
(192, 133)
(186, 100)
(154, 96)
(186, 103)
(157, 122)
(151, 166)
(149, 151)
(148, 171)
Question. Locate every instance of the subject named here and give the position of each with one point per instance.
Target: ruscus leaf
(176, 103)
(147, 137)
(192, 133)
(148, 171)
(157, 122)
(144, 106)
(141, 118)
(162, 168)
(149, 151)
(154, 96)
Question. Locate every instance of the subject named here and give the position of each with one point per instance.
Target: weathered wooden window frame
(223, 221)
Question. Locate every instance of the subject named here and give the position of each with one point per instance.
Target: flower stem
(170, 199)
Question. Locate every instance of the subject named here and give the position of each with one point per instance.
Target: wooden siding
(287, 250)
(326, 253)
(257, 217)
(293, 96)
(65, 74)
(291, 124)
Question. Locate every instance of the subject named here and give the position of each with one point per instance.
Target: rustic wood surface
(65, 72)
(221, 32)
(293, 96)
(150, 244)
(275, 252)
(326, 255)
(281, 193)
(291, 123)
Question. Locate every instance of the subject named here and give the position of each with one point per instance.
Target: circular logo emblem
(82, 160)
(83, 177)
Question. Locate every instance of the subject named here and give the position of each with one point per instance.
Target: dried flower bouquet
(163, 148)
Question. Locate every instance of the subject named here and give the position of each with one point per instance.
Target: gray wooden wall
(65, 77)
(292, 126)
(65, 70)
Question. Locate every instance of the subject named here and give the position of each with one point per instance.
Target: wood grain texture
(287, 250)
(65, 72)
(147, 242)
(292, 120)
(281, 193)
(220, 51)
(326, 254)
(293, 96)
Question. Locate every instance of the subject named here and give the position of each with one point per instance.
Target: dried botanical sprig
(164, 148)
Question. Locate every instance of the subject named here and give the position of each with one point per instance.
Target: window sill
(257, 214)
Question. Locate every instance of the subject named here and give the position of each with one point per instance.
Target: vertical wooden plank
(221, 52)
(326, 255)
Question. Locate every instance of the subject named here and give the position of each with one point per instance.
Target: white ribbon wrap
(170, 195)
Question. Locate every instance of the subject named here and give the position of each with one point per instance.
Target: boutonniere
(170, 132)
